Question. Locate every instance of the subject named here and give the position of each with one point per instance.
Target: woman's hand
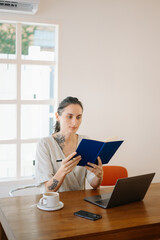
(96, 169)
(69, 163)
(67, 166)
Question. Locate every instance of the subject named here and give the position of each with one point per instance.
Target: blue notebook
(91, 149)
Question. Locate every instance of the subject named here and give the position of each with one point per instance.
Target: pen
(59, 160)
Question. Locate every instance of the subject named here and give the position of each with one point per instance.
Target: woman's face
(70, 118)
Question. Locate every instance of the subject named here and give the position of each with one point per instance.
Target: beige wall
(109, 57)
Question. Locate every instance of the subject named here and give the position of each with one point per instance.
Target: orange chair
(112, 173)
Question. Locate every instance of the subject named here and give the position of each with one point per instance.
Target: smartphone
(88, 215)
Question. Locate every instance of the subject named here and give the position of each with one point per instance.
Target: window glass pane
(7, 40)
(7, 81)
(7, 160)
(37, 82)
(36, 118)
(7, 121)
(36, 121)
(28, 151)
(38, 42)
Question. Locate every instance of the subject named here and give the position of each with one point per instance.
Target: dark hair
(63, 104)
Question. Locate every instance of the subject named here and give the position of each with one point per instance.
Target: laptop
(126, 190)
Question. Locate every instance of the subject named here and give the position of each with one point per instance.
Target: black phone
(88, 215)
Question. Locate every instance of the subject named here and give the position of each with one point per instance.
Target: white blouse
(48, 151)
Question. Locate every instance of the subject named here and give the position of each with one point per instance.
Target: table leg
(2, 233)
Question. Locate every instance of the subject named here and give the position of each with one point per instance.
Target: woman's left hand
(96, 169)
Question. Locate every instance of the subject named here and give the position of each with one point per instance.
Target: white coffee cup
(49, 200)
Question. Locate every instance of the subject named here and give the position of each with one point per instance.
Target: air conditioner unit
(19, 6)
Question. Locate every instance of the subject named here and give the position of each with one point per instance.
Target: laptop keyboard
(104, 199)
(103, 202)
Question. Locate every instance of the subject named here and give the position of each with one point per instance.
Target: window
(28, 76)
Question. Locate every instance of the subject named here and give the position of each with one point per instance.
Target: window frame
(18, 61)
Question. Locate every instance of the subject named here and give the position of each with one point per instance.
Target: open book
(91, 149)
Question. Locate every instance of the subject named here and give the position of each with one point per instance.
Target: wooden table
(22, 220)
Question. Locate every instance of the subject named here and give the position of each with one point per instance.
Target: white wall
(109, 57)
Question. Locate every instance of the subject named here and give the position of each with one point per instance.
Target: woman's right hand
(69, 163)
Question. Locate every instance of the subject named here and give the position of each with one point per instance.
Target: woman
(65, 175)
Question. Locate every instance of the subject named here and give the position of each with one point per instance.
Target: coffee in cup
(49, 200)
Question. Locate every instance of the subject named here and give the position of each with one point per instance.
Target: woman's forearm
(98, 171)
(96, 182)
(55, 182)
(67, 166)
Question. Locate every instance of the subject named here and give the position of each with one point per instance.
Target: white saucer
(61, 204)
